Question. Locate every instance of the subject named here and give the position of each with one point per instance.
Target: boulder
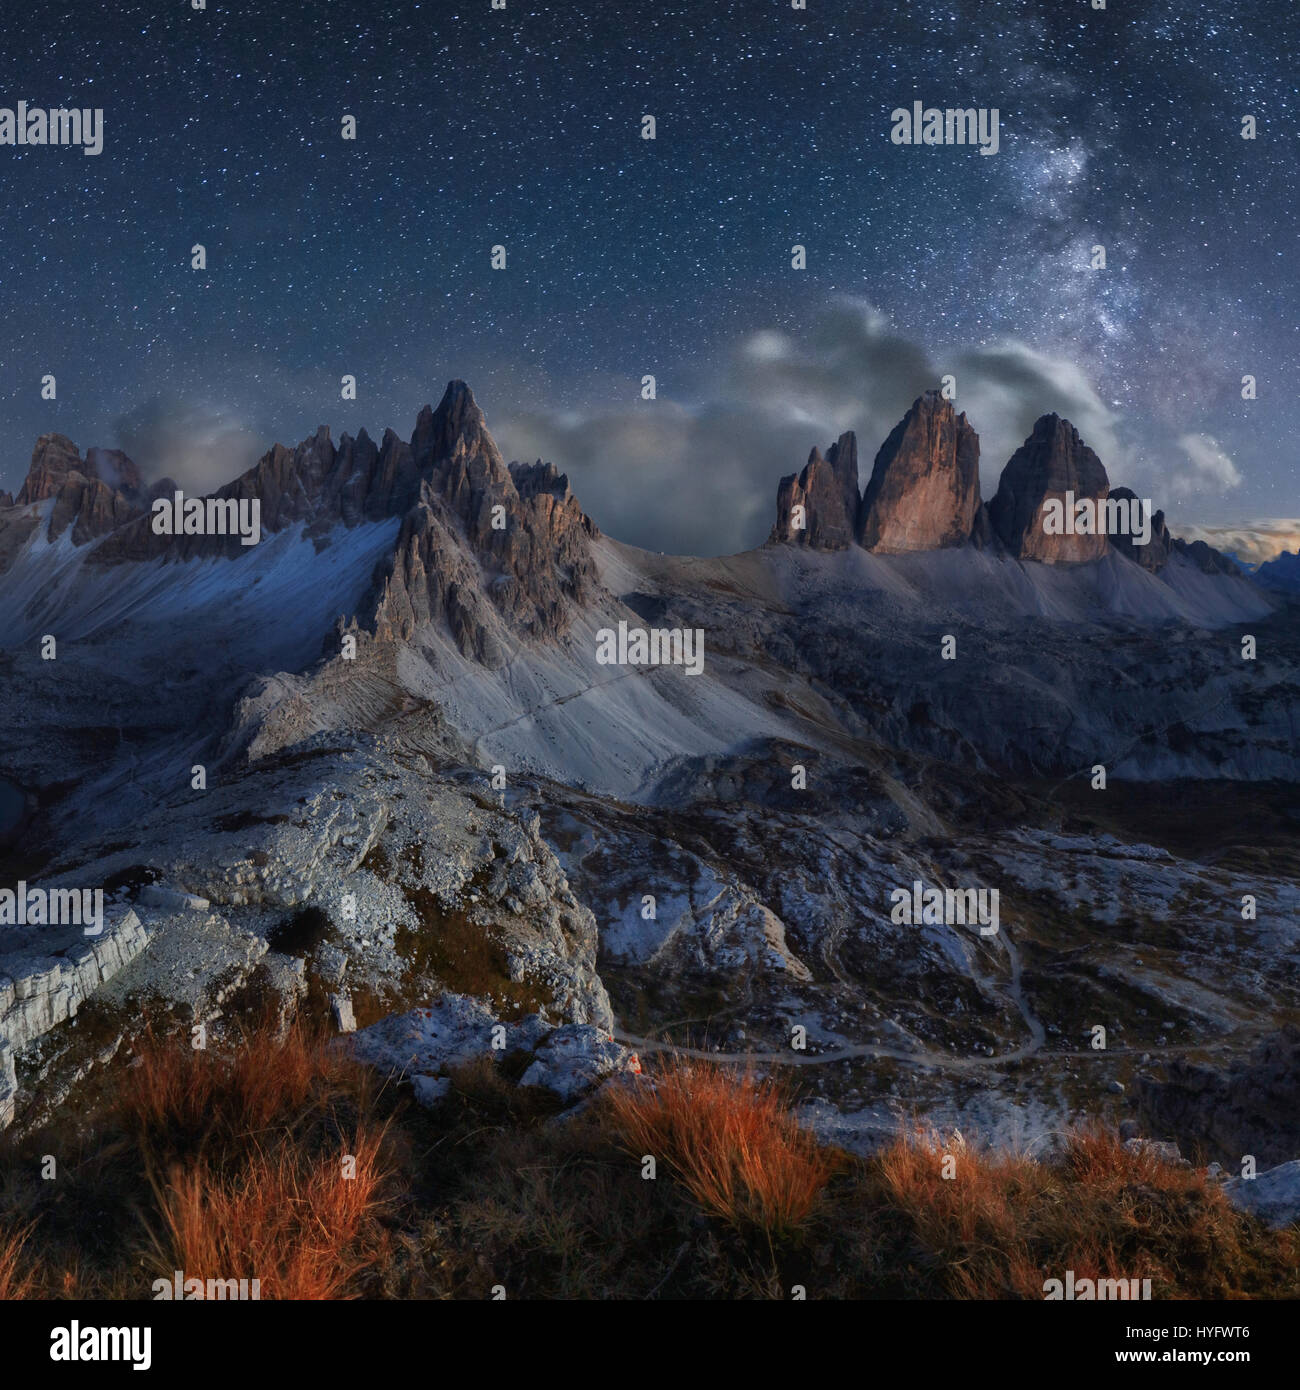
(1273, 1195)
(576, 1057)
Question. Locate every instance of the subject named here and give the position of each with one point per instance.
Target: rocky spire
(1052, 462)
(925, 485)
(455, 433)
(819, 506)
(522, 527)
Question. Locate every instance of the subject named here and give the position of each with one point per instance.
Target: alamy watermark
(37, 125)
(656, 646)
(179, 1288)
(1095, 516)
(52, 907)
(1072, 1290)
(928, 125)
(77, 1343)
(949, 907)
(209, 516)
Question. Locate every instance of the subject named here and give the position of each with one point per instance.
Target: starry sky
(672, 257)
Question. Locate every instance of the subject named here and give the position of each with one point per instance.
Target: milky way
(522, 127)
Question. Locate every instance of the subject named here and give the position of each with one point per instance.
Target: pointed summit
(455, 431)
(925, 484)
(1052, 462)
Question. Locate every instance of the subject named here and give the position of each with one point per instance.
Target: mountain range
(302, 767)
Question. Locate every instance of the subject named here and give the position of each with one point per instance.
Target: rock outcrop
(93, 496)
(423, 1045)
(819, 507)
(925, 484)
(1052, 462)
(38, 992)
(1252, 1109)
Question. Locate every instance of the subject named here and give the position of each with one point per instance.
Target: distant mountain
(431, 571)
(924, 494)
(1281, 573)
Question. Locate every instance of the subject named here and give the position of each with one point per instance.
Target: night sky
(627, 256)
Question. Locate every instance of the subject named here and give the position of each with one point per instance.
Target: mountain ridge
(923, 494)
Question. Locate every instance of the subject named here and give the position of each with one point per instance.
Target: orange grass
(17, 1277)
(1002, 1223)
(730, 1141)
(302, 1227)
(190, 1094)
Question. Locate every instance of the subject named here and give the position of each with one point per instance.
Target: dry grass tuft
(1000, 1225)
(17, 1277)
(266, 1159)
(177, 1097)
(730, 1141)
(303, 1227)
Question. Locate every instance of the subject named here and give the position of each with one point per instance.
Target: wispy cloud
(197, 446)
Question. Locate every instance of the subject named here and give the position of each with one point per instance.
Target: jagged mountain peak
(489, 552)
(455, 431)
(924, 490)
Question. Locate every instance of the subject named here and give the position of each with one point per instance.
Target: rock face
(1050, 463)
(1153, 556)
(925, 485)
(92, 496)
(53, 459)
(114, 468)
(827, 492)
(38, 992)
(521, 526)
(924, 494)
